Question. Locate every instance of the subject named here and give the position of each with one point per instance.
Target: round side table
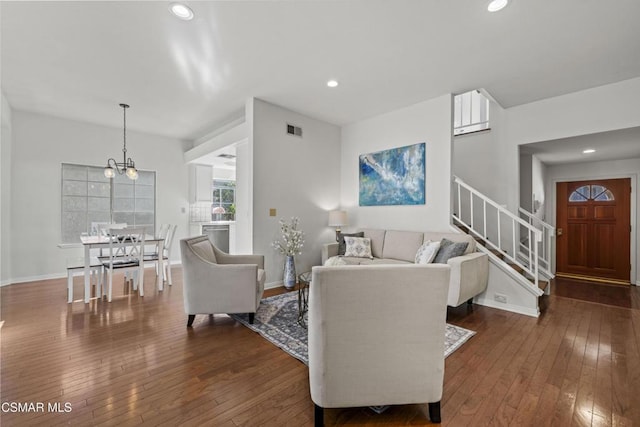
(304, 281)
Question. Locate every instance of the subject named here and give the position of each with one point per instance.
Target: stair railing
(498, 227)
(548, 232)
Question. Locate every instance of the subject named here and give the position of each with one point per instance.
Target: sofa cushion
(377, 240)
(449, 249)
(366, 261)
(335, 261)
(341, 245)
(358, 247)
(454, 237)
(402, 245)
(349, 260)
(427, 252)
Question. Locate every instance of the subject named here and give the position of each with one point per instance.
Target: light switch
(272, 212)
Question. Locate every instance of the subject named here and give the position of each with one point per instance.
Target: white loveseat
(469, 272)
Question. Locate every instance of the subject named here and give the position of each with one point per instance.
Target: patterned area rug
(277, 321)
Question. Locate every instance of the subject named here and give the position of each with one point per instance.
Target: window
(224, 200)
(591, 192)
(470, 113)
(89, 197)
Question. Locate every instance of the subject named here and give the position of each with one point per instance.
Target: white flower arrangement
(292, 238)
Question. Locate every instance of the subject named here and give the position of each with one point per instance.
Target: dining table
(101, 241)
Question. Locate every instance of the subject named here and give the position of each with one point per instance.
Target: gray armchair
(217, 282)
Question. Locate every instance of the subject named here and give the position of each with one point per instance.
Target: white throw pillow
(427, 252)
(359, 247)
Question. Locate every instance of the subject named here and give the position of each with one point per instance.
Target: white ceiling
(613, 145)
(80, 59)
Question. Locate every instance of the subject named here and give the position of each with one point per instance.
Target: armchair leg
(434, 412)
(470, 301)
(318, 416)
(251, 317)
(190, 320)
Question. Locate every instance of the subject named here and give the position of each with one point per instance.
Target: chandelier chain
(124, 113)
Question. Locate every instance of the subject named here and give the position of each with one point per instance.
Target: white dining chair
(126, 253)
(168, 234)
(76, 265)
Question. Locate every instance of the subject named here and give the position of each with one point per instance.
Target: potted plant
(289, 245)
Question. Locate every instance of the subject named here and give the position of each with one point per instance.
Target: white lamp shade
(337, 218)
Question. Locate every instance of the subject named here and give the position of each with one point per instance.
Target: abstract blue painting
(393, 177)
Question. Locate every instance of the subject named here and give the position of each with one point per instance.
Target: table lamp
(337, 219)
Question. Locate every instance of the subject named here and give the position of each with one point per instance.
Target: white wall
(477, 157)
(525, 181)
(40, 144)
(244, 201)
(596, 170)
(429, 122)
(5, 189)
(296, 176)
(538, 179)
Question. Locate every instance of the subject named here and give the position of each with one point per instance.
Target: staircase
(519, 244)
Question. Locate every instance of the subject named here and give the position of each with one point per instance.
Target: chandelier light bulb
(132, 173)
(109, 172)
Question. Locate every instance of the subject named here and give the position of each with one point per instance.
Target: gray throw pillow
(449, 249)
(342, 246)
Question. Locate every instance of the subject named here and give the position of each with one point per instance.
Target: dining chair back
(163, 230)
(126, 252)
(102, 229)
(169, 233)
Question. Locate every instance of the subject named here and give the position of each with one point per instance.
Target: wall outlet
(500, 298)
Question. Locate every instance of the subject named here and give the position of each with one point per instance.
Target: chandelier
(127, 166)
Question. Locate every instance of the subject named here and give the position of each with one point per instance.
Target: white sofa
(469, 272)
(370, 347)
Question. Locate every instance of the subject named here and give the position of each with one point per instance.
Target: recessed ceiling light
(332, 83)
(496, 5)
(181, 11)
(589, 151)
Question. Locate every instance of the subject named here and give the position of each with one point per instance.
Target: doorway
(593, 230)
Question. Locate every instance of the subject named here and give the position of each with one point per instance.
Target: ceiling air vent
(294, 130)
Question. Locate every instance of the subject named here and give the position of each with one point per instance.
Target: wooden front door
(593, 229)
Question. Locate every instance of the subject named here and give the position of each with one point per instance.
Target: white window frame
(470, 113)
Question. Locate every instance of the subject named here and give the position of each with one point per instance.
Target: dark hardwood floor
(134, 362)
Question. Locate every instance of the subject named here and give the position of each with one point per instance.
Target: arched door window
(591, 192)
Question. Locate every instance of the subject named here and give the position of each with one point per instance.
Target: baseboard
(43, 277)
(39, 278)
(508, 307)
(273, 285)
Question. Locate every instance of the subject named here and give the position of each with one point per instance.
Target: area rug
(277, 321)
